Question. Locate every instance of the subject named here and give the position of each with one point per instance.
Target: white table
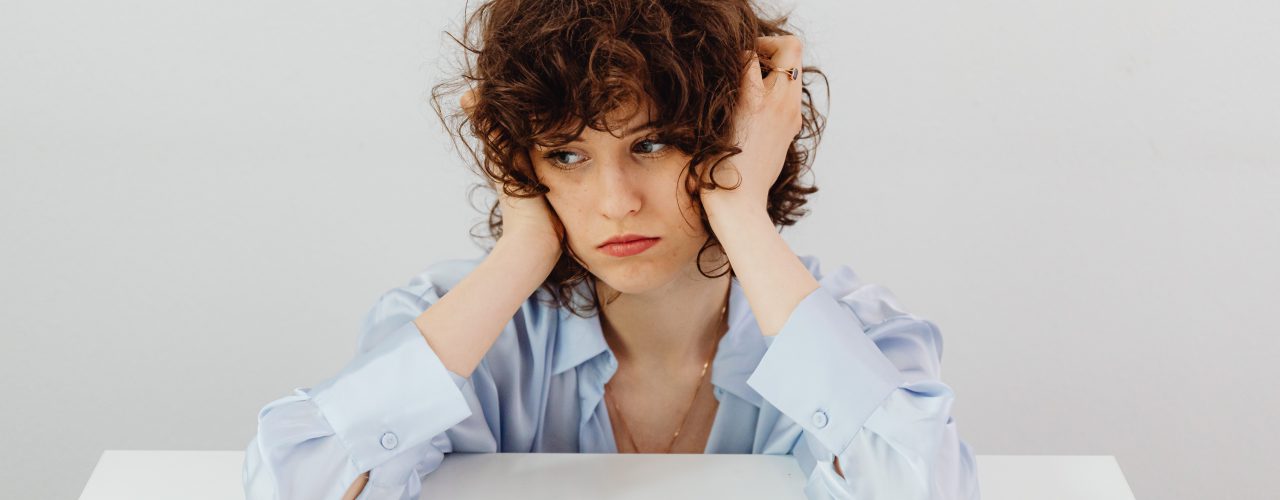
(201, 475)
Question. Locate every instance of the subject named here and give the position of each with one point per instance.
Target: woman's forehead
(622, 121)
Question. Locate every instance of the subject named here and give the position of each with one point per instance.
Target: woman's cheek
(567, 209)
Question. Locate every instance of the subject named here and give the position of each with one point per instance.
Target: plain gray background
(201, 200)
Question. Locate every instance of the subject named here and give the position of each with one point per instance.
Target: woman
(638, 297)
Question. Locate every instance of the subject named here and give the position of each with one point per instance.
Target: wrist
(726, 211)
(537, 253)
(732, 198)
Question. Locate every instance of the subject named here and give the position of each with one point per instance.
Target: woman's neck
(669, 328)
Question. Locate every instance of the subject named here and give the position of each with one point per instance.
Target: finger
(787, 53)
(779, 49)
(783, 52)
(751, 76)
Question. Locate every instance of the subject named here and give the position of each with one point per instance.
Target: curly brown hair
(541, 71)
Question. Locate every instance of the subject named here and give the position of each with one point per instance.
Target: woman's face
(603, 186)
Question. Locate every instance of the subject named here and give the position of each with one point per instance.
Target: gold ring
(792, 73)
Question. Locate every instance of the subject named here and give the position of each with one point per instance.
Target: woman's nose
(618, 192)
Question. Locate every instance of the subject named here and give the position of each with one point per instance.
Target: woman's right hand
(528, 223)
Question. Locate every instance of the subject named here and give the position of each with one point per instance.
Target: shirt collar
(579, 340)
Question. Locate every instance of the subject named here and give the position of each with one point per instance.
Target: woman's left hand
(766, 121)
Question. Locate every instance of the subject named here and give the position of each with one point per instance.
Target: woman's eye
(650, 146)
(563, 158)
(567, 159)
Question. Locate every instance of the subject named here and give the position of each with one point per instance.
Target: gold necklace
(714, 347)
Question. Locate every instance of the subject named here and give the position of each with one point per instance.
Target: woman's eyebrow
(625, 133)
(641, 127)
(633, 130)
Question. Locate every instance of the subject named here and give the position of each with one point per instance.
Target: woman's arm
(861, 379)
(464, 324)
(767, 120)
(865, 394)
(772, 276)
(875, 415)
(380, 424)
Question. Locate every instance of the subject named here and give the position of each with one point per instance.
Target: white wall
(199, 202)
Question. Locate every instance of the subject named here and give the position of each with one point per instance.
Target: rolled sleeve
(823, 371)
(392, 397)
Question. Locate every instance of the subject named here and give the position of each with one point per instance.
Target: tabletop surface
(199, 475)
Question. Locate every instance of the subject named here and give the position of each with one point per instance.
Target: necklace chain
(714, 347)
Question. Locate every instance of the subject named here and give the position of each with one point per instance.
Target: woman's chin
(634, 277)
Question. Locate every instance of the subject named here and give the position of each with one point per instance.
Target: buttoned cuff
(823, 371)
(393, 397)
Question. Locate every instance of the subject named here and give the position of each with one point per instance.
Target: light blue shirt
(850, 375)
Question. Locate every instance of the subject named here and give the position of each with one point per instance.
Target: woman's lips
(629, 248)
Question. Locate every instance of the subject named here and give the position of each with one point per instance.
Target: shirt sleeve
(385, 412)
(869, 393)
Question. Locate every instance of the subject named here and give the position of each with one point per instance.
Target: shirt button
(389, 440)
(820, 419)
